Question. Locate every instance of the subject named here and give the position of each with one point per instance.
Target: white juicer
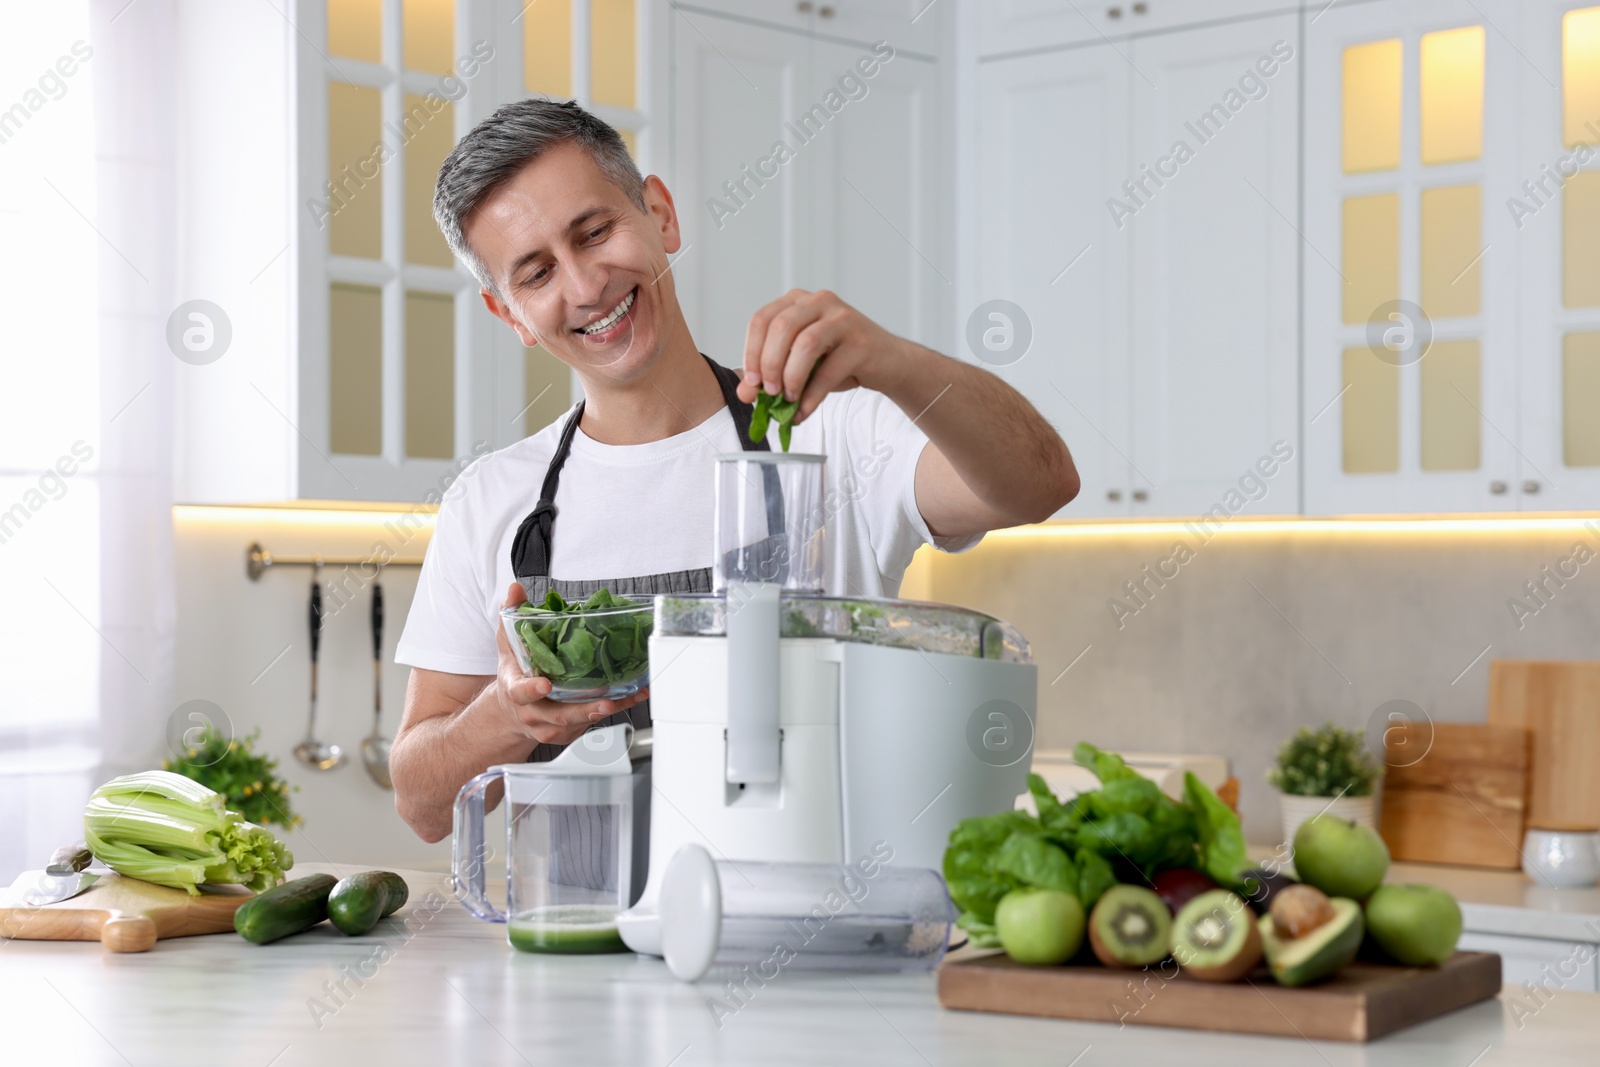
(795, 727)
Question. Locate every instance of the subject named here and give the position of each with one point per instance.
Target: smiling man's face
(579, 268)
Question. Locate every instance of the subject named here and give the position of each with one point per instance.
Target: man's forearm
(963, 409)
(433, 758)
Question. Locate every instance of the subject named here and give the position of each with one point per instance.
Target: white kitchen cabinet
(917, 25)
(1048, 142)
(880, 196)
(1411, 126)
(1159, 280)
(786, 177)
(1214, 379)
(1539, 961)
(362, 364)
(734, 88)
(1011, 26)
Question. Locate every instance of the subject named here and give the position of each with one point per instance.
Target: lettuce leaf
(1107, 766)
(1220, 838)
(1033, 861)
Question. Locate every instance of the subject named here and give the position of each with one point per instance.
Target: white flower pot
(1296, 810)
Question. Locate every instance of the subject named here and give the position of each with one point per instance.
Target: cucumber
(359, 901)
(285, 909)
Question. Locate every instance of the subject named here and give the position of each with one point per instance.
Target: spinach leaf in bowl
(576, 648)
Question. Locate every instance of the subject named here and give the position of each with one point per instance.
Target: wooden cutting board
(1560, 703)
(124, 914)
(1362, 1002)
(1459, 796)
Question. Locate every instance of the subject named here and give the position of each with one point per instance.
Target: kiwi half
(1130, 927)
(1214, 937)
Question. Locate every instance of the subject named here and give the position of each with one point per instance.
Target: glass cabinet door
(1557, 209)
(590, 51)
(404, 372)
(1410, 264)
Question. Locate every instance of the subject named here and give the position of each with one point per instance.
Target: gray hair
(501, 145)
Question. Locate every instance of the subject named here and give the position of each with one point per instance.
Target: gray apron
(572, 854)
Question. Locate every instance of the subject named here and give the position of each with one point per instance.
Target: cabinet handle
(1113, 12)
(1141, 9)
(1141, 495)
(1497, 487)
(825, 11)
(1530, 486)
(804, 7)
(1113, 495)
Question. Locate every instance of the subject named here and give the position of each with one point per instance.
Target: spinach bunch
(1127, 831)
(581, 651)
(769, 408)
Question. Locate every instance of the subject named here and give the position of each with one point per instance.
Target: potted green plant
(1328, 770)
(246, 777)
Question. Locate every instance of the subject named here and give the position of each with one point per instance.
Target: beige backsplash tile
(1262, 632)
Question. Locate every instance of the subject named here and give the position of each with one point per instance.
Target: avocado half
(1318, 954)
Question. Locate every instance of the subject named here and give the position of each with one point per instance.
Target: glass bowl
(601, 654)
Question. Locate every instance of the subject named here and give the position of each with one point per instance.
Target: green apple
(1416, 924)
(1040, 925)
(1340, 857)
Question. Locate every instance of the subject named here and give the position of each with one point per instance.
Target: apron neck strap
(530, 550)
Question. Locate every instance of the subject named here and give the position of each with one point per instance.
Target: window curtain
(88, 188)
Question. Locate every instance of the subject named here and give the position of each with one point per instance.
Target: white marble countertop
(451, 991)
(1510, 903)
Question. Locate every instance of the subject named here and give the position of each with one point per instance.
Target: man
(570, 245)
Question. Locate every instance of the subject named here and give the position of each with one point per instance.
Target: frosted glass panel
(431, 135)
(355, 370)
(1371, 254)
(1450, 404)
(1372, 78)
(355, 29)
(1452, 95)
(1371, 408)
(611, 53)
(1580, 76)
(1580, 400)
(1451, 251)
(430, 375)
(355, 220)
(547, 48)
(546, 389)
(430, 35)
(1580, 240)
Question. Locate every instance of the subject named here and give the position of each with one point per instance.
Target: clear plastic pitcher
(771, 521)
(569, 846)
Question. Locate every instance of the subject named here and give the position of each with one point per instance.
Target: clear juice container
(569, 846)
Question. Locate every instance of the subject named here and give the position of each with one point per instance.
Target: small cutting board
(1560, 703)
(1455, 793)
(1362, 1002)
(124, 914)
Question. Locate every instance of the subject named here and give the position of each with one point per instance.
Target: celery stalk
(167, 829)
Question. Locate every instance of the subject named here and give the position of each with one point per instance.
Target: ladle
(375, 747)
(311, 752)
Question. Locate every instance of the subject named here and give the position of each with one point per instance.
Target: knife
(64, 877)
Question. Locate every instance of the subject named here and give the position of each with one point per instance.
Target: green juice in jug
(571, 928)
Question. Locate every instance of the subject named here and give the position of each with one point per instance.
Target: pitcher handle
(469, 853)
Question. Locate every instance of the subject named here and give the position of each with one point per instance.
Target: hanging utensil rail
(258, 559)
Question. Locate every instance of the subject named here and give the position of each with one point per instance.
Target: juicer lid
(601, 752)
(908, 624)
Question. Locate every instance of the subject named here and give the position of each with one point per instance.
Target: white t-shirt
(625, 510)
